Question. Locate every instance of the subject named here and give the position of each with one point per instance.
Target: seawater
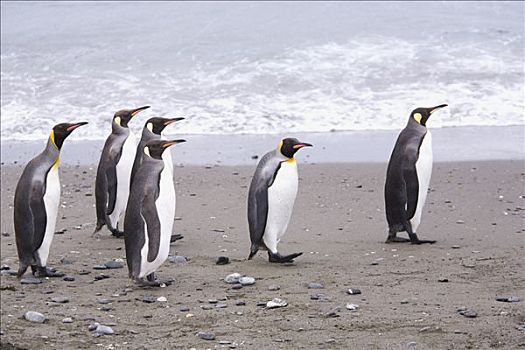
(259, 67)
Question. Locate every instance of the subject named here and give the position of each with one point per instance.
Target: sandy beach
(410, 294)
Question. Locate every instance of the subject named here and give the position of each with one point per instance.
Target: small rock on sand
(206, 335)
(232, 278)
(34, 316)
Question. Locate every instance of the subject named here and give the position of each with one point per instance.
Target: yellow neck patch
(291, 160)
(418, 117)
(56, 163)
(52, 138)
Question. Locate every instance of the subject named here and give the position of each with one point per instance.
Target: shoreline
(449, 144)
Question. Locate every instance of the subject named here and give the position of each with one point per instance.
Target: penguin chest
(51, 202)
(424, 172)
(123, 168)
(281, 198)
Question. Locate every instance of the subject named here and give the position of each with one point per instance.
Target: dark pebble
(261, 303)
(444, 280)
(237, 286)
(240, 303)
(184, 309)
(102, 276)
(149, 299)
(222, 260)
(508, 299)
(60, 300)
(331, 314)
(353, 291)
(255, 157)
(99, 267)
(206, 335)
(315, 286)
(114, 264)
(105, 301)
(84, 272)
(468, 313)
(68, 278)
(5, 267)
(106, 308)
(65, 261)
(5, 234)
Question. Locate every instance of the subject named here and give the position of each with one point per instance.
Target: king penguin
(152, 131)
(114, 172)
(37, 197)
(408, 176)
(271, 199)
(150, 214)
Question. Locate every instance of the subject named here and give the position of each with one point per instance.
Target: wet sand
(474, 210)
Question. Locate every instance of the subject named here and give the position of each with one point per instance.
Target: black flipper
(151, 217)
(38, 209)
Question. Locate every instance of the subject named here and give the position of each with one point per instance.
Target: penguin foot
(278, 258)
(141, 283)
(175, 238)
(396, 239)
(117, 233)
(42, 271)
(423, 241)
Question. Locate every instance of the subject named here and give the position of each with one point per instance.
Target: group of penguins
(134, 191)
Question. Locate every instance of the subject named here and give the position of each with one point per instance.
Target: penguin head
(61, 131)
(155, 148)
(122, 117)
(421, 114)
(289, 146)
(156, 125)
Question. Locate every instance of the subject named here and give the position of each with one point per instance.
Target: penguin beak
(301, 145)
(433, 109)
(74, 126)
(171, 143)
(173, 120)
(137, 110)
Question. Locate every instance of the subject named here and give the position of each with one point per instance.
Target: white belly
(51, 202)
(124, 167)
(424, 171)
(281, 198)
(165, 205)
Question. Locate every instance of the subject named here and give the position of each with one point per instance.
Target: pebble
(178, 259)
(184, 309)
(331, 314)
(206, 335)
(222, 260)
(247, 281)
(443, 280)
(60, 300)
(84, 272)
(315, 286)
(262, 303)
(34, 316)
(206, 307)
(105, 301)
(240, 303)
(5, 234)
(319, 296)
(411, 344)
(467, 312)
(102, 276)
(233, 278)
(352, 307)
(113, 264)
(149, 299)
(275, 303)
(460, 222)
(5, 267)
(67, 320)
(100, 267)
(353, 291)
(274, 287)
(162, 299)
(237, 286)
(511, 299)
(30, 280)
(68, 278)
(103, 330)
(221, 305)
(455, 247)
